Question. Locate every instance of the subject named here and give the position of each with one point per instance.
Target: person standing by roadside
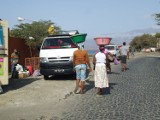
(124, 52)
(100, 74)
(14, 59)
(80, 62)
(132, 51)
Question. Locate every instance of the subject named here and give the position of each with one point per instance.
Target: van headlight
(43, 59)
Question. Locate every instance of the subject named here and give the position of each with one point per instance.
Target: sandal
(77, 90)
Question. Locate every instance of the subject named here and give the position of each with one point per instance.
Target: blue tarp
(1, 36)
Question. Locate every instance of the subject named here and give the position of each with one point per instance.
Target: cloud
(146, 17)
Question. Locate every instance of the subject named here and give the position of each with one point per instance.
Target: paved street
(135, 95)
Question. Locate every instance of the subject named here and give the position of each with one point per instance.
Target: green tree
(157, 18)
(144, 41)
(157, 35)
(33, 33)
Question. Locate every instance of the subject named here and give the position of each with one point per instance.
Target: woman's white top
(100, 57)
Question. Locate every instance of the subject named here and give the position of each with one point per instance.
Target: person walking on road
(100, 74)
(124, 51)
(80, 62)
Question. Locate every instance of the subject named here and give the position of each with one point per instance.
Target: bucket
(78, 38)
(30, 68)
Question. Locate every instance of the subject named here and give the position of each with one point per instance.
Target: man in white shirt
(124, 51)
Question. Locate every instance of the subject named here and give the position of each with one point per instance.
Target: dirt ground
(33, 97)
(27, 97)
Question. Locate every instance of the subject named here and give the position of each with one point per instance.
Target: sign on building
(4, 53)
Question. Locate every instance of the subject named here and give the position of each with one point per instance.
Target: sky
(118, 19)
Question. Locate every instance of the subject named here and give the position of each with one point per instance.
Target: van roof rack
(56, 35)
(70, 32)
(65, 33)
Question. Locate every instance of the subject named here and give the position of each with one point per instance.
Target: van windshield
(58, 43)
(109, 47)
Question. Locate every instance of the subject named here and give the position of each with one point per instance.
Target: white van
(56, 55)
(113, 49)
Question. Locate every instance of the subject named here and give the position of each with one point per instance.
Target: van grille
(60, 59)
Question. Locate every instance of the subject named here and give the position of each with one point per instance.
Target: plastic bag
(36, 73)
(116, 62)
(19, 68)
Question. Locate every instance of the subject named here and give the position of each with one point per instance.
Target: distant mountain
(90, 44)
(151, 30)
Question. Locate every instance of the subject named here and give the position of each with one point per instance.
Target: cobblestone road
(135, 95)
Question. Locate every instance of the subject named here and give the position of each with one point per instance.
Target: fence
(34, 62)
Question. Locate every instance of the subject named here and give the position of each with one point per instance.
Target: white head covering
(81, 46)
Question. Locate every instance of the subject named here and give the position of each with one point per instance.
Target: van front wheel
(46, 77)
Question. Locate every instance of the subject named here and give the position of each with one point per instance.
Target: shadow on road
(66, 77)
(18, 83)
(89, 85)
(62, 77)
(106, 91)
(113, 73)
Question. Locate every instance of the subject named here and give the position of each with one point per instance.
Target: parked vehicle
(149, 49)
(153, 49)
(56, 54)
(113, 49)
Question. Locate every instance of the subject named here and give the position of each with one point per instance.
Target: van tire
(46, 77)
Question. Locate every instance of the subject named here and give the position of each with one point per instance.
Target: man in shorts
(124, 51)
(80, 61)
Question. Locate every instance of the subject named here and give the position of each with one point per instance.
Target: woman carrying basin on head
(100, 74)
